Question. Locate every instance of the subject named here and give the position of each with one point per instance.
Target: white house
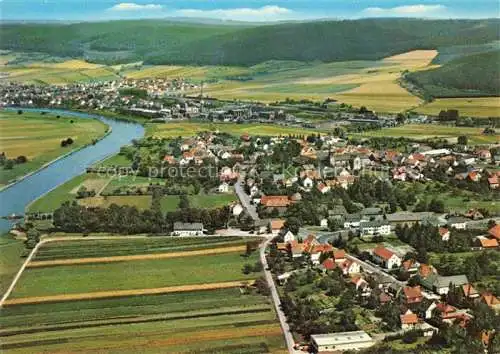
(307, 183)
(377, 227)
(341, 341)
(459, 223)
(386, 258)
(223, 188)
(350, 267)
(237, 210)
(289, 237)
(187, 229)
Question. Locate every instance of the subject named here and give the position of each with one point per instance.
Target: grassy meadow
(38, 137)
(425, 131)
(65, 72)
(68, 192)
(139, 274)
(11, 250)
(175, 129)
(219, 320)
(468, 106)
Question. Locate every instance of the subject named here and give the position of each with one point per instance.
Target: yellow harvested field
(382, 96)
(474, 106)
(414, 58)
(168, 71)
(70, 64)
(123, 293)
(140, 257)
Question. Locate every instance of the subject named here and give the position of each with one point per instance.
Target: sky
(244, 10)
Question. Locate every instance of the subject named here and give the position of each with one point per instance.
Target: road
(290, 342)
(369, 267)
(245, 200)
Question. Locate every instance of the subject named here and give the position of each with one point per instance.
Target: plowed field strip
(122, 293)
(138, 257)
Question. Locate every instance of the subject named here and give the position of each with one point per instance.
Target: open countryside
(246, 180)
(198, 275)
(39, 137)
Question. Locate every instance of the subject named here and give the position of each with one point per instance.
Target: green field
(67, 192)
(482, 107)
(123, 247)
(10, 259)
(38, 137)
(425, 131)
(210, 321)
(172, 130)
(140, 274)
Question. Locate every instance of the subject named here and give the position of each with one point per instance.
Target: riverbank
(14, 199)
(37, 135)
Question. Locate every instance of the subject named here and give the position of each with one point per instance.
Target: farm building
(187, 229)
(341, 341)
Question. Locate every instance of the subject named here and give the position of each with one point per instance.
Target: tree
(21, 159)
(463, 140)
(9, 165)
(32, 238)
(247, 269)
(293, 224)
(183, 202)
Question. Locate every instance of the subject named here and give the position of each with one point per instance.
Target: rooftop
(341, 338)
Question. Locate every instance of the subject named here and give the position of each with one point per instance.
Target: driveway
(245, 200)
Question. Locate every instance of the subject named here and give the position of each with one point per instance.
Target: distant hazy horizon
(247, 11)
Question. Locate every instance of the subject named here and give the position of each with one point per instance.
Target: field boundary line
(124, 293)
(112, 259)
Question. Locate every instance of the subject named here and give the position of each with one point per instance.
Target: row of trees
(71, 217)
(8, 164)
(427, 236)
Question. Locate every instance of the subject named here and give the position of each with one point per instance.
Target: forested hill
(470, 75)
(167, 42)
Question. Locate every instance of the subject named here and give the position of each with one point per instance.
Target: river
(15, 198)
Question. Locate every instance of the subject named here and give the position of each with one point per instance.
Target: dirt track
(123, 293)
(139, 257)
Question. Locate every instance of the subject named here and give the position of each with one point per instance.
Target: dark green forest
(167, 42)
(471, 75)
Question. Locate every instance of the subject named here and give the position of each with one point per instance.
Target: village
(368, 240)
(348, 223)
(164, 100)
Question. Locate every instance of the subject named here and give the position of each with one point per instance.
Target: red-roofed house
(275, 201)
(485, 242)
(323, 188)
(444, 233)
(409, 320)
(469, 291)
(386, 257)
(328, 264)
(276, 226)
(169, 159)
(495, 231)
(339, 255)
(412, 295)
(490, 300)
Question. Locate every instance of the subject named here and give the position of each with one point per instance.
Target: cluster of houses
(420, 304)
